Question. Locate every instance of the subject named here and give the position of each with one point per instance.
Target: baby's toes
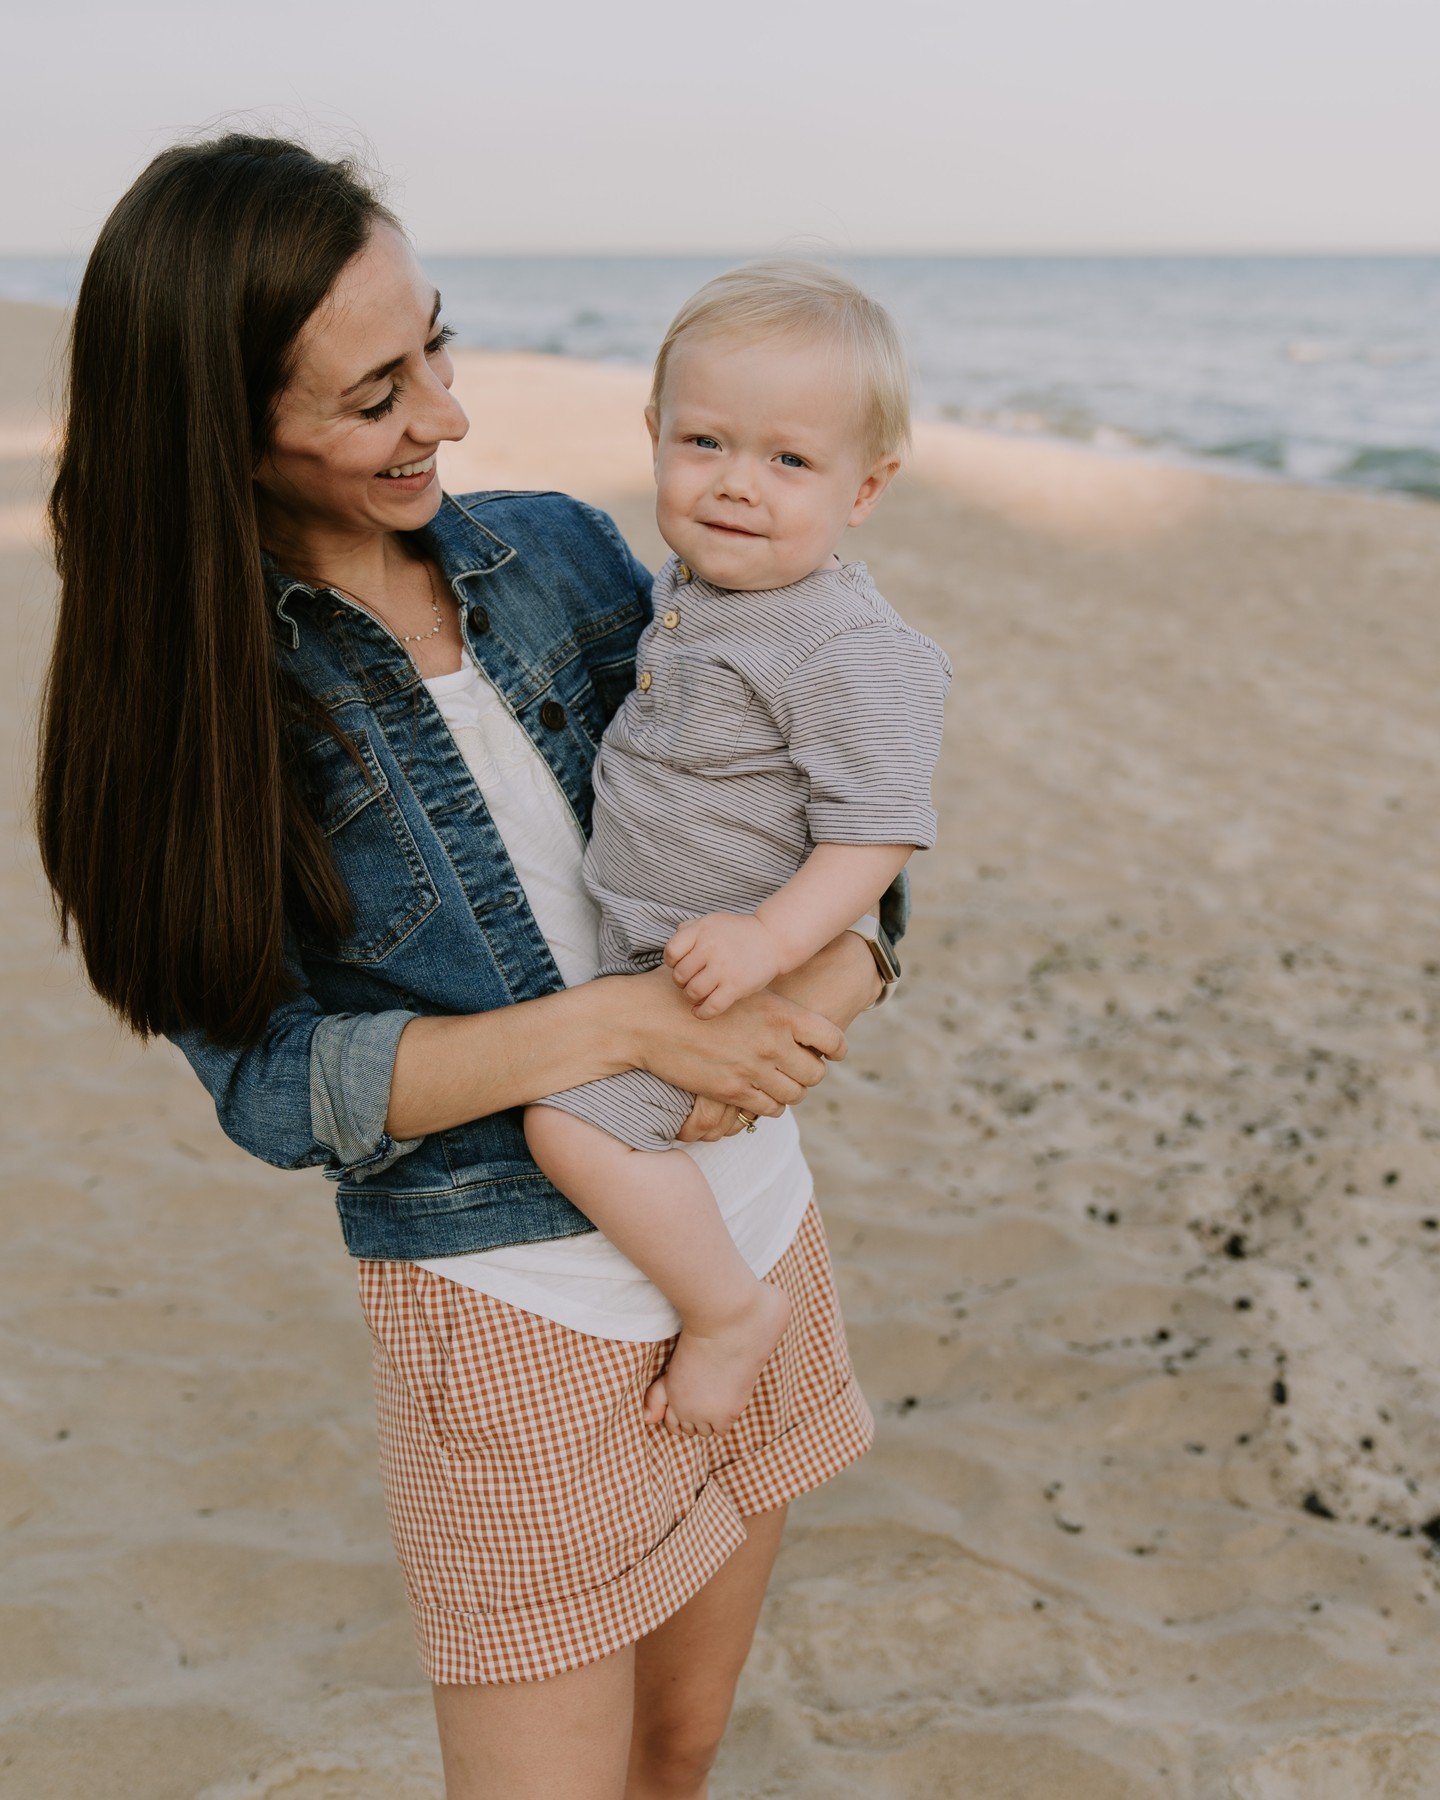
(656, 1401)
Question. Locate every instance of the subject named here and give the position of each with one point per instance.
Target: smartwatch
(882, 949)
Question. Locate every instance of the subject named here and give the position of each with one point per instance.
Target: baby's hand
(720, 959)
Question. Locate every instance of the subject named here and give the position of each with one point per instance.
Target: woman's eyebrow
(387, 368)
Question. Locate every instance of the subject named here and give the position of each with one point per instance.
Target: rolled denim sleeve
(312, 1092)
(352, 1062)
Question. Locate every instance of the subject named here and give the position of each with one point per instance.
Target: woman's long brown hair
(172, 824)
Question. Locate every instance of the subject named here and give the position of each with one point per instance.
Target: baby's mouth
(732, 530)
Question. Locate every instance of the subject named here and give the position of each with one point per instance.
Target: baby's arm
(722, 957)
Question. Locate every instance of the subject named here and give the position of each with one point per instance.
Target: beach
(1132, 1195)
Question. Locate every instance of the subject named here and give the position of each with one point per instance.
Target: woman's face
(368, 403)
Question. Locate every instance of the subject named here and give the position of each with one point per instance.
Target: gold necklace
(407, 637)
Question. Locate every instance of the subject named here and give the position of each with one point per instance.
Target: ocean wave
(1270, 453)
(1408, 469)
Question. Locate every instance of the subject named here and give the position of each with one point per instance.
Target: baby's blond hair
(784, 296)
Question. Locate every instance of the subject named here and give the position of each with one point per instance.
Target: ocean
(1321, 369)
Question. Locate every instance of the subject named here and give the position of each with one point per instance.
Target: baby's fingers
(721, 1000)
(681, 943)
(701, 987)
(689, 967)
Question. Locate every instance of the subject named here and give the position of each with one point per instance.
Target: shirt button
(552, 715)
(644, 682)
(479, 619)
(671, 619)
(683, 572)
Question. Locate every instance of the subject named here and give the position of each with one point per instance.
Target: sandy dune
(1133, 1199)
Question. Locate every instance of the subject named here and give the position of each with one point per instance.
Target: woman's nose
(440, 418)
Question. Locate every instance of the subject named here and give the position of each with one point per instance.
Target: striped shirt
(760, 725)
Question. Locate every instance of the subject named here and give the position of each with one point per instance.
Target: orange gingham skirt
(539, 1522)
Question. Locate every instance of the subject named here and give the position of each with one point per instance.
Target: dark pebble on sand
(1242, 1303)
(1314, 1504)
(1391, 1176)
(1431, 1528)
(1234, 1245)
(1279, 1393)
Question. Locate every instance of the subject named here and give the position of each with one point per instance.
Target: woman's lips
(423, 474)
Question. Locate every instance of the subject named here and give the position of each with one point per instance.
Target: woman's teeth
(420, 468)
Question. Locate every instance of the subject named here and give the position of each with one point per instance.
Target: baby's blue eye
(791, 460)
(706, 443)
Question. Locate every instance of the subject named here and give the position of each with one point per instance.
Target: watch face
(886, 958)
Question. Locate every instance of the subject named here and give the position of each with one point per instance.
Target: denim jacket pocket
(374, 849)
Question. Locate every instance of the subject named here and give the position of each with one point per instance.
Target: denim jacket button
(479, 619)
(552, 715)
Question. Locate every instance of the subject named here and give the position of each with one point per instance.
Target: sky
(853, 125)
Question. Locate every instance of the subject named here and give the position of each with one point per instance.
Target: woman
(278, 842)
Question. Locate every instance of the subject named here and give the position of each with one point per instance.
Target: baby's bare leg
(657, 1209)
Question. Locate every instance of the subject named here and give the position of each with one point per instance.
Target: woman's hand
(709, 1121)
(839, 982)
(763, 1055)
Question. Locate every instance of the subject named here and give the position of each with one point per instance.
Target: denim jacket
(551, 603)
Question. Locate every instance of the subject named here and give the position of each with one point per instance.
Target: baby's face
(759, 462)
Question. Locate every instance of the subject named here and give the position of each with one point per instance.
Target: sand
(1132, 1196)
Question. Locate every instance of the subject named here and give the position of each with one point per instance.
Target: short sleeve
(862, 716)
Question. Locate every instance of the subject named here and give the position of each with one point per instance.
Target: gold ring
(746, 1120)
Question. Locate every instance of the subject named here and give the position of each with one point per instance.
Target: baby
(768, 776)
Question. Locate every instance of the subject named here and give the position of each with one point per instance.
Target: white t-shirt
(760, 1179)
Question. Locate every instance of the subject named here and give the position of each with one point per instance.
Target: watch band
(873, 934)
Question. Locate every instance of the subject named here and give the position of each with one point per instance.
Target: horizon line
(984, 253)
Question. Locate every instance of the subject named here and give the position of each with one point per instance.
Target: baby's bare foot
(712, 1373)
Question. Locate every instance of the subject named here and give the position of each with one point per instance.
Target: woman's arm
(839, 982)
(723, 956)
(763, 1055)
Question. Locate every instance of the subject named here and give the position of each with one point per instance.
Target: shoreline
(928, 419)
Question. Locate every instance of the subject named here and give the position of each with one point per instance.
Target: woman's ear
(872, 487)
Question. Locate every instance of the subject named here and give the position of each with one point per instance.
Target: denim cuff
(352, 1062)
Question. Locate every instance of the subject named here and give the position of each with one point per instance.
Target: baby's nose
(737, 479)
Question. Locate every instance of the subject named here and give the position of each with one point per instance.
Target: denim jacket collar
(454, 537)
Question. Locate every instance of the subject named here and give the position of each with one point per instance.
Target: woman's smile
(411, 477)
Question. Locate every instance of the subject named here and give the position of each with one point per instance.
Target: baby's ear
(872, 487)
(652, 425)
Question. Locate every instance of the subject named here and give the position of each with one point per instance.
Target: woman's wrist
(452, 1068)
(839, 981)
